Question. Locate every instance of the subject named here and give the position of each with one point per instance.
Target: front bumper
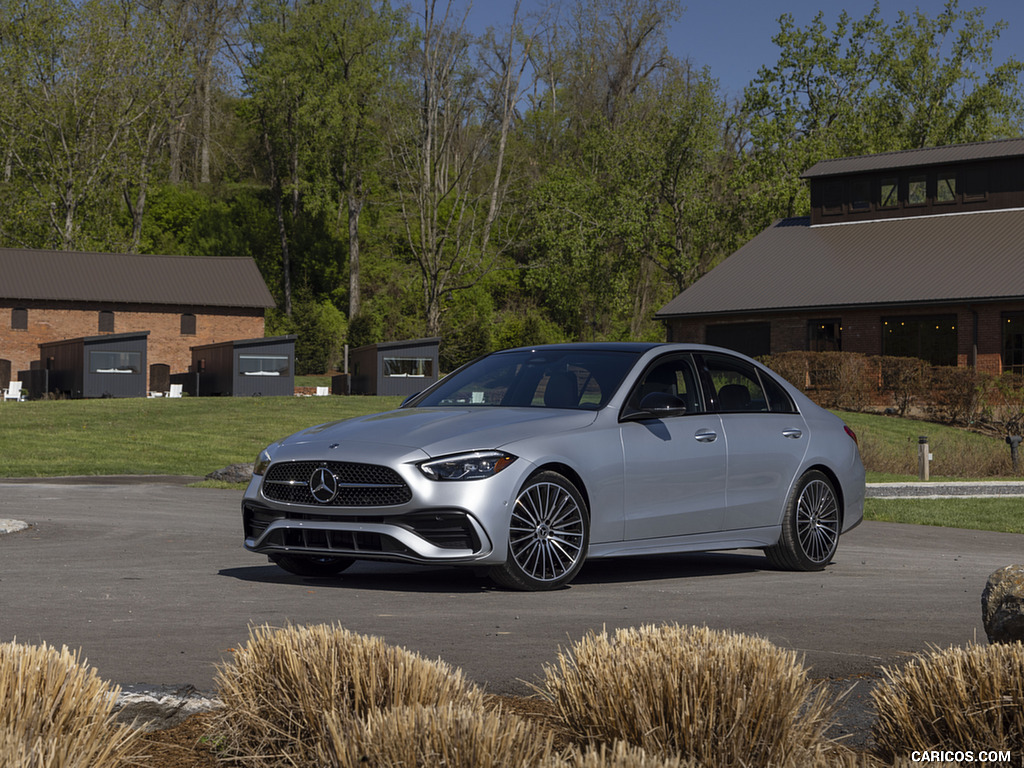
(437, 522)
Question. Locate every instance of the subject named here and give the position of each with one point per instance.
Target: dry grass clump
(453, 736)
(55, 712)
(720, 698)
(952, 700)
(619, 755)
(281, 688)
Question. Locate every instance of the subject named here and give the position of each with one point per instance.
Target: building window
(413, 367)
(976, 184)
(890, 193)
(861, 195)
(824, 336)
(263, 365)
(1013, 342)
(188, 325)
(917, 190)
(106, 322)
(931, 338)
(833, 194)
(752, 339)
(945, 190)
(19, 319)
(110, 361)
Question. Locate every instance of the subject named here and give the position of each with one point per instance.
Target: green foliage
(321, 331)
(863, 87)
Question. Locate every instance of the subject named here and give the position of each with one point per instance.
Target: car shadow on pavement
(677, 566)
(368, 575)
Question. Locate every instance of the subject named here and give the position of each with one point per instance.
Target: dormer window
(945, 189)
(917, 189)
(890, 197)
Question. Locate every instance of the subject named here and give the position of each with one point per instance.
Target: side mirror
(657, 405)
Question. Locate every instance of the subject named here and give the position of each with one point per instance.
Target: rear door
(766, 439)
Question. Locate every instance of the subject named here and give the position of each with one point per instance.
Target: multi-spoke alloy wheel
(811, 526)
(548, 535)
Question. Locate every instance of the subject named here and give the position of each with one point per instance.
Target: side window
(675, 377)
(736, 385)
(779, 400)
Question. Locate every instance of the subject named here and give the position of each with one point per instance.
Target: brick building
(48, 296)
(917, 253)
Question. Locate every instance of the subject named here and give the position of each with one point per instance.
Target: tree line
(557, 178)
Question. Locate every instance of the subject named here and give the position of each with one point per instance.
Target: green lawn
(1005, 515)
(190, 436)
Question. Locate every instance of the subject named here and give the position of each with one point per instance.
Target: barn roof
(199, 281)
(922, 260)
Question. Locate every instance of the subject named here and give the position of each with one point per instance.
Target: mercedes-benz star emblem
(323, 485)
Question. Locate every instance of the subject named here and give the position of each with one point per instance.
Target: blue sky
(734, 37)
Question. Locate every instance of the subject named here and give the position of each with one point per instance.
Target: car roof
(604, 346)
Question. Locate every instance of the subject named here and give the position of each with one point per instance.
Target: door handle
(705, 436)
(792, 433)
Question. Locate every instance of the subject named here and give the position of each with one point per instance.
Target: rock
(1002, 605)
(152, 709)
(236, 473)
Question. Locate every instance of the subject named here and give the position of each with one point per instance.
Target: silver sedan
(529, 461)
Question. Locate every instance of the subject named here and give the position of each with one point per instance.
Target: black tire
(549, 532)
(810, 526)
(311, 565)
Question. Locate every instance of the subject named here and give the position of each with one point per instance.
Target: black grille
(359, 485)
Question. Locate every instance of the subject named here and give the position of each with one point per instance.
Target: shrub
(956, 394)
(424, 737)
(716, 697)
(906, 379)
(282, 687)
(56, 712)
(948, 700)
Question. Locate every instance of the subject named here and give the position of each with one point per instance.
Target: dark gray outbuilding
(395, 367)
(243, 368)
(111, 365)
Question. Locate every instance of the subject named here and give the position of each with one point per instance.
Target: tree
(85, 81)
(447, 150)
(347, 53)
(866, 87)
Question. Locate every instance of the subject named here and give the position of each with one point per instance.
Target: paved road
(151, 582)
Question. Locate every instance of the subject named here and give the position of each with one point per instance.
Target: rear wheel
(549, 530)
(311, 565)
(810, 527)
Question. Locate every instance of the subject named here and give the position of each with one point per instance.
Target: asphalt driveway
(151, 582)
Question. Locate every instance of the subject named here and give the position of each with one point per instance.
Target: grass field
(195, 436)
(190, 436)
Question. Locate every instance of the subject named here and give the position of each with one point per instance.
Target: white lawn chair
(14, 392)
(175, 390)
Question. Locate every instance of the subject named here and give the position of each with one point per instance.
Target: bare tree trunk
(282, 230)
(355, 208)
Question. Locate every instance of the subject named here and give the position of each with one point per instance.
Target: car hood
(439, 431)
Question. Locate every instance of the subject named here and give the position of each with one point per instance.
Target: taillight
(852, 434)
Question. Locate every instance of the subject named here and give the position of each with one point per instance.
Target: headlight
(262, 462)
(467, 466)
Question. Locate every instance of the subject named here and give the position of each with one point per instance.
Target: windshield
(556, 378)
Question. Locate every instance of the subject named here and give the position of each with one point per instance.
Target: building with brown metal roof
(917, 253)
(181, 301)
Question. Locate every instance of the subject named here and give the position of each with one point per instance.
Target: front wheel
(810, 527)
(310, 565)
(549, 531)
